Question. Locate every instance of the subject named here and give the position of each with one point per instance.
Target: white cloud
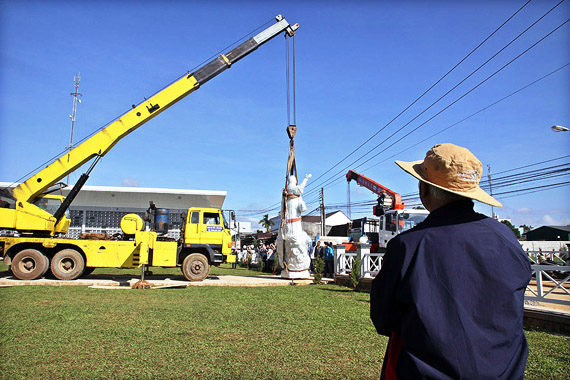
(130, 182)
(550, 221)
(524, 210)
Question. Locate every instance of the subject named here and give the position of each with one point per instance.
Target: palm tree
(265, 222)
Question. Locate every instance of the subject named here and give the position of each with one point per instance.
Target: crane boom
(100, 143)
(377, 188)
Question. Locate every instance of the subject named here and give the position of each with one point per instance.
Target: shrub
(275, 268)
(354, 277)
(319, 266)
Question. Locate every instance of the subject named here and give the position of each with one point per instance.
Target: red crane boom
(394, 200)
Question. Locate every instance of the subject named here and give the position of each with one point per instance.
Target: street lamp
(559, 128)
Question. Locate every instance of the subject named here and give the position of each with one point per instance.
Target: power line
(472, 115)
(461, 97)
(464, 95)
(424, 93)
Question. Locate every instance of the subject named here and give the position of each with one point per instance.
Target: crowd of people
(266, 256)
(262, 254)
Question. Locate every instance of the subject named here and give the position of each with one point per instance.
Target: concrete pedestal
(296, 275)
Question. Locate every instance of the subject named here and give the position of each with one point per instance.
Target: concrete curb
(125, 281)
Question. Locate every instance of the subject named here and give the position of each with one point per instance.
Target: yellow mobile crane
(35, 243)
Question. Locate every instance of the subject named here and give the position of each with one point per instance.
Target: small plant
(319, 266)
(354, 277)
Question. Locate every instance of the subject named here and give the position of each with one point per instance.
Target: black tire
(88, 270)
(29, 264)
(195, 267)
(47, 266)
(67, 264)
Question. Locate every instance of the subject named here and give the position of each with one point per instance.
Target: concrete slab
(126, 281)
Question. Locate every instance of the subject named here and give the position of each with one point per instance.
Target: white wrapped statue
(291, 237)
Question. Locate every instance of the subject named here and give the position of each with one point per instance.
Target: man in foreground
(450, 293)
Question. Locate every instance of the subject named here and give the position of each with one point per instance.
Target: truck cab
(35, 216)
(207, 231)
(380, 231)
(394, 222)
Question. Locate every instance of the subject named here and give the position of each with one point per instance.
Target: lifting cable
(291, 131)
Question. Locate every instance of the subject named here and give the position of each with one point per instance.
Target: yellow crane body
(35, 218)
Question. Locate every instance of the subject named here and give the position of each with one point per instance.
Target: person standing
(319, 250)
(311, 252)
(235, 258)
(450, 294)
(329, 260)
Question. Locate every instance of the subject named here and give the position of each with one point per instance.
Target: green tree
(265, 222)
(513, 228)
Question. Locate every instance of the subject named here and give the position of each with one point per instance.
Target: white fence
(370, 263)
(549, 283)
(551, 273)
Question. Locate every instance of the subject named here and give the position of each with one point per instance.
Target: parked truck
(393, 217)
(34, 219)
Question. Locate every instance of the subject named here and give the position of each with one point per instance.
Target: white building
(312, 223)
(100, 208)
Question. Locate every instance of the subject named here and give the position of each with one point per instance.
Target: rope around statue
(292, 241)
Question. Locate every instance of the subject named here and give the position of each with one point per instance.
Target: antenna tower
(76, 99)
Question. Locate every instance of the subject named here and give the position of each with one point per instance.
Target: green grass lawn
(294, 332)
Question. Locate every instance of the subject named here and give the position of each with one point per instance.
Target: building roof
(139, 197)
(311, 218)
(561, 228)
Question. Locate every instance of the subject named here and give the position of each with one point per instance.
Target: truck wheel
(88, 270)
(67, 264)
(29, 264)
(46, 261)
(195, 267)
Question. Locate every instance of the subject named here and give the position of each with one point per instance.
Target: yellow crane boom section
(100, 143)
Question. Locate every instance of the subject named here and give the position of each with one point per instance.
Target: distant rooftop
(139, 197)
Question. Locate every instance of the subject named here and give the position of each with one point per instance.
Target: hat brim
(477, 194)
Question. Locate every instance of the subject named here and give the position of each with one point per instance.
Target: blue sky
(358, 65)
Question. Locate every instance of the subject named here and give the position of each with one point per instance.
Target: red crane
(387, 199)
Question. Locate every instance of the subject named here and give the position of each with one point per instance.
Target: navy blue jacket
(451, 295)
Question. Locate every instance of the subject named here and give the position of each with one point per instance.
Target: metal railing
(551, 272)
(370, 263)
(549, 284)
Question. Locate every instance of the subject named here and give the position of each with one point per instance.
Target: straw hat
(451, 168)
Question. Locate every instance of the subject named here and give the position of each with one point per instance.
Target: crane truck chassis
(35, 243)
(205, 240)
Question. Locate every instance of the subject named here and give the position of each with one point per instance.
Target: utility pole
(323, 222)
(76, 99)
(490, 189)
(348, 202)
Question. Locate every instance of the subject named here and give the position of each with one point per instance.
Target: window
(195, 217)
(48, 204)
(410, 220)
(390, 222)
(211, 218)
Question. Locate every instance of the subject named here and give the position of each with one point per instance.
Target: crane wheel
(67, 264)
(195, 267)
(29, 264)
